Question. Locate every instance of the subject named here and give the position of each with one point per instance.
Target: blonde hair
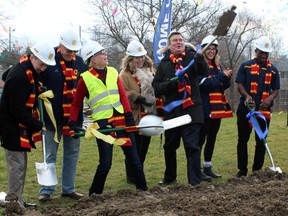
(127, 66)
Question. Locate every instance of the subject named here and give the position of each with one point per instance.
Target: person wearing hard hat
(107, 99)
(182, 97)
(215, 105)
(62, 80)
(257, 81)
(20, 125)
(137, 75)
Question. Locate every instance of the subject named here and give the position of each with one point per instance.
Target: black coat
(166, 71)
(53, 79)
(13, 110)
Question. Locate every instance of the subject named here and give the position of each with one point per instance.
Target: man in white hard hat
(20, 125)
(257, 81)
(62, 80)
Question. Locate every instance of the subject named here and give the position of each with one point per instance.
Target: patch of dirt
(262, 193)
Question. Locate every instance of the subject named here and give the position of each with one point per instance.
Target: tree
(9, 51)
(9, 58)
(120, 22)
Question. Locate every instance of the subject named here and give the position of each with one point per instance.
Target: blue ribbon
(252, 116)
(179, 73)
(182, 71)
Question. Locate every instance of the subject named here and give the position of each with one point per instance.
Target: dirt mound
(262, 193)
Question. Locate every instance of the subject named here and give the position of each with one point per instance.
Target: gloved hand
(73, 129)
(129, 119)
(142, 100)
(173, 82)
(198, 58)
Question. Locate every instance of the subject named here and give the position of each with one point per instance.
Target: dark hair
(173, 33)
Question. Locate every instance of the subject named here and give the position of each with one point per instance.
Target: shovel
(46, 172)
(255, 123)
(225, 22)
(149, 125)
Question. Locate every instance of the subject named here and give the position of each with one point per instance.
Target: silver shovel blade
(46, 174)
(276, 169)
(177, 122)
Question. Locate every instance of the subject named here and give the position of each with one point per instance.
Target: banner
(162, 30)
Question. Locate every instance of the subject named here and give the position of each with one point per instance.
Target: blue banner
(162, 30)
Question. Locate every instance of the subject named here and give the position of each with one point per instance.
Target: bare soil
(262, 193)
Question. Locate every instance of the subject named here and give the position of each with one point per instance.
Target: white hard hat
(44, 51)
(89, 49)
(135, 48)
(264, 44)
(151, 120)
(208, 40)
(70, 39)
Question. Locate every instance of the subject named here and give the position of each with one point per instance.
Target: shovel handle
(81, 131)
(250, 105)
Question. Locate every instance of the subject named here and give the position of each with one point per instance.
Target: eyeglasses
(211, 49)
(102, 52)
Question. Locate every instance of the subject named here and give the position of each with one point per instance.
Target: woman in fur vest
(136, 74)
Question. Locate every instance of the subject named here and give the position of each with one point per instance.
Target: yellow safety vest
(103, 98)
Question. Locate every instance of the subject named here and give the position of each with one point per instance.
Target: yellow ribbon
(47, 104)
(92, 131)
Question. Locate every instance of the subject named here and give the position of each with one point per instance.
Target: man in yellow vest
(106, 97)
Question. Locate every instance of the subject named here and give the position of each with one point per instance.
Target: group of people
(122, 99)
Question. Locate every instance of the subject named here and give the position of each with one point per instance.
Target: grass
(224, 161)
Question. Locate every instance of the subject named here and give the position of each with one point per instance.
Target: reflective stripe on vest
(103, 98)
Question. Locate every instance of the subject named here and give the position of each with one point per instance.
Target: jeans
(71, 148)
(244, 131)
(190, 136)
(105, 162)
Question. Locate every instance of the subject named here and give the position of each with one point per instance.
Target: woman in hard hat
(215, 105)
(258, 81)
(137, 75)
(19, 120)
(110, 107)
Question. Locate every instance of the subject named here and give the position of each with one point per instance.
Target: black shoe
(241, 173)
(205, 177)
(208, 171)
(163, 182)
(30, 205)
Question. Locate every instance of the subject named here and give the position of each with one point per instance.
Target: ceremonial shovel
(46, 172)
(149, 125)
(251, 108)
